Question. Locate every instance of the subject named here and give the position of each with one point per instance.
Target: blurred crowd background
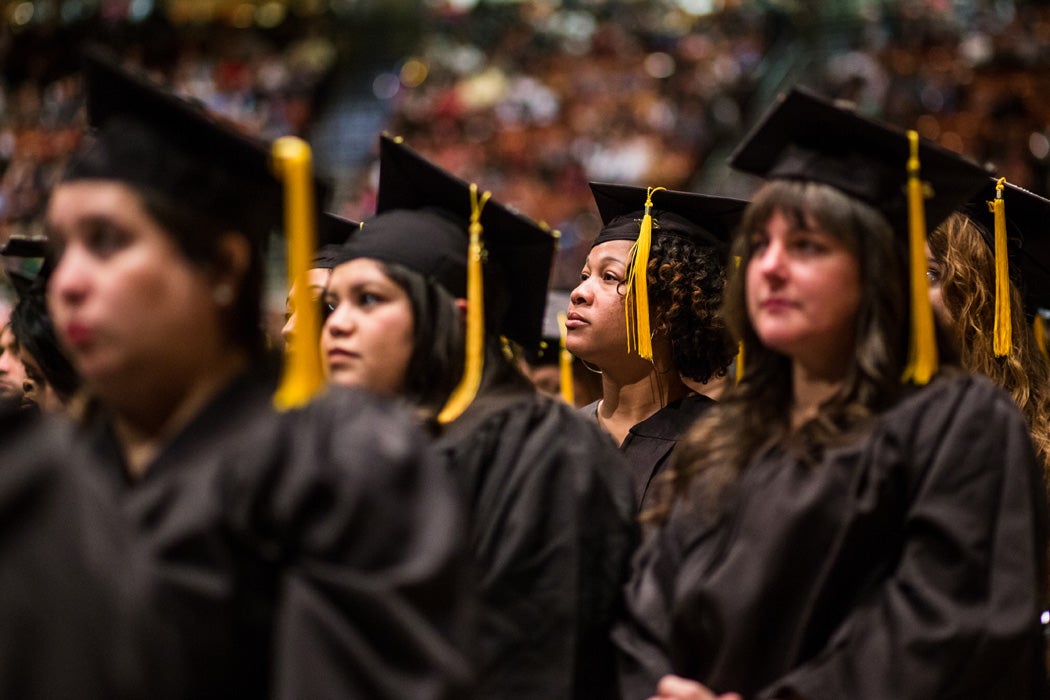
(532, 99)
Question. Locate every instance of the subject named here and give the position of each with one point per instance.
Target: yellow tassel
(302, 376)
(739, 361)
(639, 338)
(568, 392)
(739, 345)
(922, 345)
(468, 386)
(1003, 339)
(1039, 328)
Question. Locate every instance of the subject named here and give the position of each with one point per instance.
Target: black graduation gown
(649, 445)
(552, 532)
(74, 611)
(315, 553)
(905, 565)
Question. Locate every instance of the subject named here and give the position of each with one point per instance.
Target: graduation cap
(148, 136)
(639, 213)
(913, 182)
(332, 232)
(701, 218)
(431, 222)
(1013, 222)
(24, 261)
(1025, 237)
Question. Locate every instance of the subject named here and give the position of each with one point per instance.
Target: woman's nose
(69, 281)
(771, 260)
(580, 294)
(340, 321)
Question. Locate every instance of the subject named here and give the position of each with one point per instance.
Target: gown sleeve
(958, 615)
(642, 633)
(75, 613)
(366, 530)
(551, 532)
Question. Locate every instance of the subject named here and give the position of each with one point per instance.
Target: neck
(150, 419)
(628, 398)
(811, 388)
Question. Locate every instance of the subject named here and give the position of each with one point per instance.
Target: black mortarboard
(24, 261)
(422, 221)
(805, 137)
(154, 139)
(704, 219)
(332, 232)
(1027, 218)
(914, 183)
(548, 350)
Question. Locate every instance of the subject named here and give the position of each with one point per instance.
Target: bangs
(812, 206)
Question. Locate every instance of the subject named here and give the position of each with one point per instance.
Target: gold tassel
(639, 338)
(302, 376)
(1003, 339)
(739, 361)
(922, 345)
(468, 386)
(1039, 328)
(568, 392)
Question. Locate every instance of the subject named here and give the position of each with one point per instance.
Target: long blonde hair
(968, 291)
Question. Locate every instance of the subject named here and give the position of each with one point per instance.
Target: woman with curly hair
(962, 271)
(646, 331)
(850, 520)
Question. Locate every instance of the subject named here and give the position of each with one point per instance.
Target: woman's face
(37, 389)
(129, 307)
(12, 371)
(935, 275)
(803, 292)
(316, 278)
(595, 325)
(368, 336)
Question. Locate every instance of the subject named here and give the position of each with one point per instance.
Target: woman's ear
(234, 257)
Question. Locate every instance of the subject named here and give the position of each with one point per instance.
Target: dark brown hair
(756, 412)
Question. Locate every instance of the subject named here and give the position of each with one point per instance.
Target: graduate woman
(975, 297)
(312, 553)
(548, 500)
(847, 522)
(661, 258)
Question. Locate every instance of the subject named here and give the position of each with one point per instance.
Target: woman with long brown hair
(848, 522)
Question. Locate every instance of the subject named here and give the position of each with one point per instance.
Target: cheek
(844, 293)
(751, 289)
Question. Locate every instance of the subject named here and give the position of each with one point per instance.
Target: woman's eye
(327, 309)
(105, 240)
(757, 244)
(584, 276)
(611, 277)
(369, 299)
(933, 274)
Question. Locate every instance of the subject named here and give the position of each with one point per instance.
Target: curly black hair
(685, 295)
